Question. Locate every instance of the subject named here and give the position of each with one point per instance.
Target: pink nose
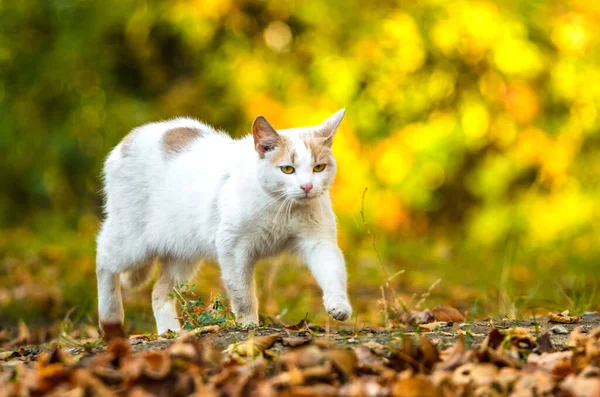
(306, 187)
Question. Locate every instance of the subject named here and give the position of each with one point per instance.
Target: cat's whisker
(285, 201)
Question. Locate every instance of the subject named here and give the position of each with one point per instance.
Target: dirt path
(443, 336)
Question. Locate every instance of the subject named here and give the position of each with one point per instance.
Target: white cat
(182, 192)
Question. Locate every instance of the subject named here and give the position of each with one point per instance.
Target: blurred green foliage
(473, 123)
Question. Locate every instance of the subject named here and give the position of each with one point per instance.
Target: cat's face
(296, 164)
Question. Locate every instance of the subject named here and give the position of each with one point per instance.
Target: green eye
(287, 169)
(319, 168)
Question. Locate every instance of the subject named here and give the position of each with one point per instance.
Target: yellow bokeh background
(473, 124)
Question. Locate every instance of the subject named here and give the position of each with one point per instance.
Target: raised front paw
(338, 307)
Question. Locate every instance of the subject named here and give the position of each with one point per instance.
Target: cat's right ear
(265, 136)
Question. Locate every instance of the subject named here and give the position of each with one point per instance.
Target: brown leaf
(562, 318)
(119, 347)
(23, 337)
(320, 389)
(493, 340)
(157, 364)
(5, 355)
(475, 374)
(302, 325)
(253, 346)
(431, 326)
(305, 356)
(447, 313)
(545, 344)
(293, 377)
(431, 354)
(415, 318)
(343, 360)
(414, 386)
(294, 341)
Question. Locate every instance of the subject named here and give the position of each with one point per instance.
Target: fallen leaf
(562, 318)
(8, 354)
(343, 360)
(320, 389)
(415, 386)
(493, 340)
(416, 318)
(302, 325)
(294, 341)
(430, 354)
(545, 344)
(448, 314)
(253, 346)
(432, 326)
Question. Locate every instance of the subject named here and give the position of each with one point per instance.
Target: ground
(348, 360)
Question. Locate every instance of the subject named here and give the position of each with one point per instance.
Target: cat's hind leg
(110, 301)
(114, 255)
(172, 274)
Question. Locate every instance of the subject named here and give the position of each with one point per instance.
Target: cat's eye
(319, 168)
(287, 169)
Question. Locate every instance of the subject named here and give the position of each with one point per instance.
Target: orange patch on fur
(284, 149)
(177, 139)
(318, 147)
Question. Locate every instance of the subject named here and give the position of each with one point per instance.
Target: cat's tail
(136, 278)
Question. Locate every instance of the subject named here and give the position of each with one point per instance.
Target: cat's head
(296, 163)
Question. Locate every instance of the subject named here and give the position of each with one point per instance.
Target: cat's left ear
(328, 128)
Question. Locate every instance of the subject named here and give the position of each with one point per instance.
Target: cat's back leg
(173, 273)
(115, 254)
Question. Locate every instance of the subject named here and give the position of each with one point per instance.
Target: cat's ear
(265, 136)
(327, 129)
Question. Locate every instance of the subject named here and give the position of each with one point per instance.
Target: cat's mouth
(305, 198)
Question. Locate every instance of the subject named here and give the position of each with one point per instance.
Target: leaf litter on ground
(508, 361)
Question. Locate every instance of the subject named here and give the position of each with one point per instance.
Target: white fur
(217, 200)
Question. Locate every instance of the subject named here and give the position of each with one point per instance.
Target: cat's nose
(306, 187)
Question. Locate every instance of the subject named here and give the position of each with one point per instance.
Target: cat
(182, 192)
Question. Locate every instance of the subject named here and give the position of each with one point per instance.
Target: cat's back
(140, 163)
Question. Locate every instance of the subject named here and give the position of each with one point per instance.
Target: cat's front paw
(338, 307)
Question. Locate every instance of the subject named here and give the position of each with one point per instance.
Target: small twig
(386, 315)
(426, 294)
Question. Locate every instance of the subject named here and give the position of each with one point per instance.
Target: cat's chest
(271, 234)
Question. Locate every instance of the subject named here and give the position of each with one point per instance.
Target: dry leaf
(415, 386)
(448, 314)
(431, 326)
(416, 318)
(430, 354)
(321, 389)
(343, 360)
(253, 346)
(302, 325)
(544, 343)
(7, 354)
(294, 341)
(562, 318)
(303, 357)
